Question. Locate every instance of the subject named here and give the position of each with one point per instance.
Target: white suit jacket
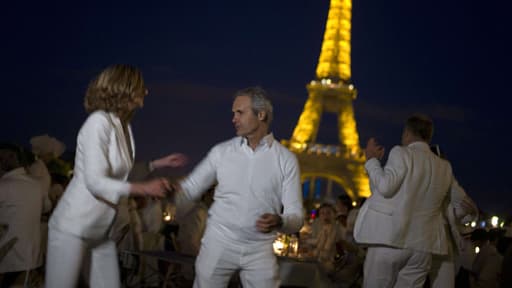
(102, 164)
(407, 204)
(21, 203)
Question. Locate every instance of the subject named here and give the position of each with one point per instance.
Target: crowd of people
(71, 229)
(31, 183)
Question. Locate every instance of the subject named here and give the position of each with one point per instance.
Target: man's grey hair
(259, 100)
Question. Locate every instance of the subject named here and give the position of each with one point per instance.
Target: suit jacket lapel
(121, 138)
(132, 143)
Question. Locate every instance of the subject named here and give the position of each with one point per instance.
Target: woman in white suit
(80, 224)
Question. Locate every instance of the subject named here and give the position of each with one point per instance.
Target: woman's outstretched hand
(173, 160)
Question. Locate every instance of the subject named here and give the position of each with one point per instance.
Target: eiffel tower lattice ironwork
(332, 92)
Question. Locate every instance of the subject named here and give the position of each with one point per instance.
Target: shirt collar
(267, 140)
(419, 145)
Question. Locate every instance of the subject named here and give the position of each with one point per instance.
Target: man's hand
(174, 160)
(268, 222)
(373, 150)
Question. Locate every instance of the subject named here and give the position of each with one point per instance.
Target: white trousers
(67, 253)
(386, 267)
(219, 259)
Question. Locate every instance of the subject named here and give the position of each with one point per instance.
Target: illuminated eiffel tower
(331, 92)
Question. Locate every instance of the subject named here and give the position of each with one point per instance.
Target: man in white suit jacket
(403, 222)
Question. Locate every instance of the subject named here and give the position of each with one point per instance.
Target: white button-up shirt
(250, 183)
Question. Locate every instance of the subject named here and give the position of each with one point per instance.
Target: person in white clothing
(80, 224)
(39, 171)
(326, 233)
(403, 220)
(258, 194)
(49, 168)
(21, 204)
(459, 210)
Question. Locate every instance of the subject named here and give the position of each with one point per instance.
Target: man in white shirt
(403, 221)
(258, 194)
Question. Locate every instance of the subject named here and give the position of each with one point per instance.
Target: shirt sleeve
(202, 177)
(387, 180)
(94, 140)
(293, 214)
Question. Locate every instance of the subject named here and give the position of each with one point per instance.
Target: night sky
(449, 59)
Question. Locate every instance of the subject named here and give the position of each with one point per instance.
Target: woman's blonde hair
(114, 90)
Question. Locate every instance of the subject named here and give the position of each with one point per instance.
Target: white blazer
(407, 204)
(102, 164)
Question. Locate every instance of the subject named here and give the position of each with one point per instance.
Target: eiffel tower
(331, 92)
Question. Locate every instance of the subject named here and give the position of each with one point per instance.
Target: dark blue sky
(450, 59)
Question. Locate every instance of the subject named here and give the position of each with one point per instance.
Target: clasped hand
(158, 187)
(268, 222)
